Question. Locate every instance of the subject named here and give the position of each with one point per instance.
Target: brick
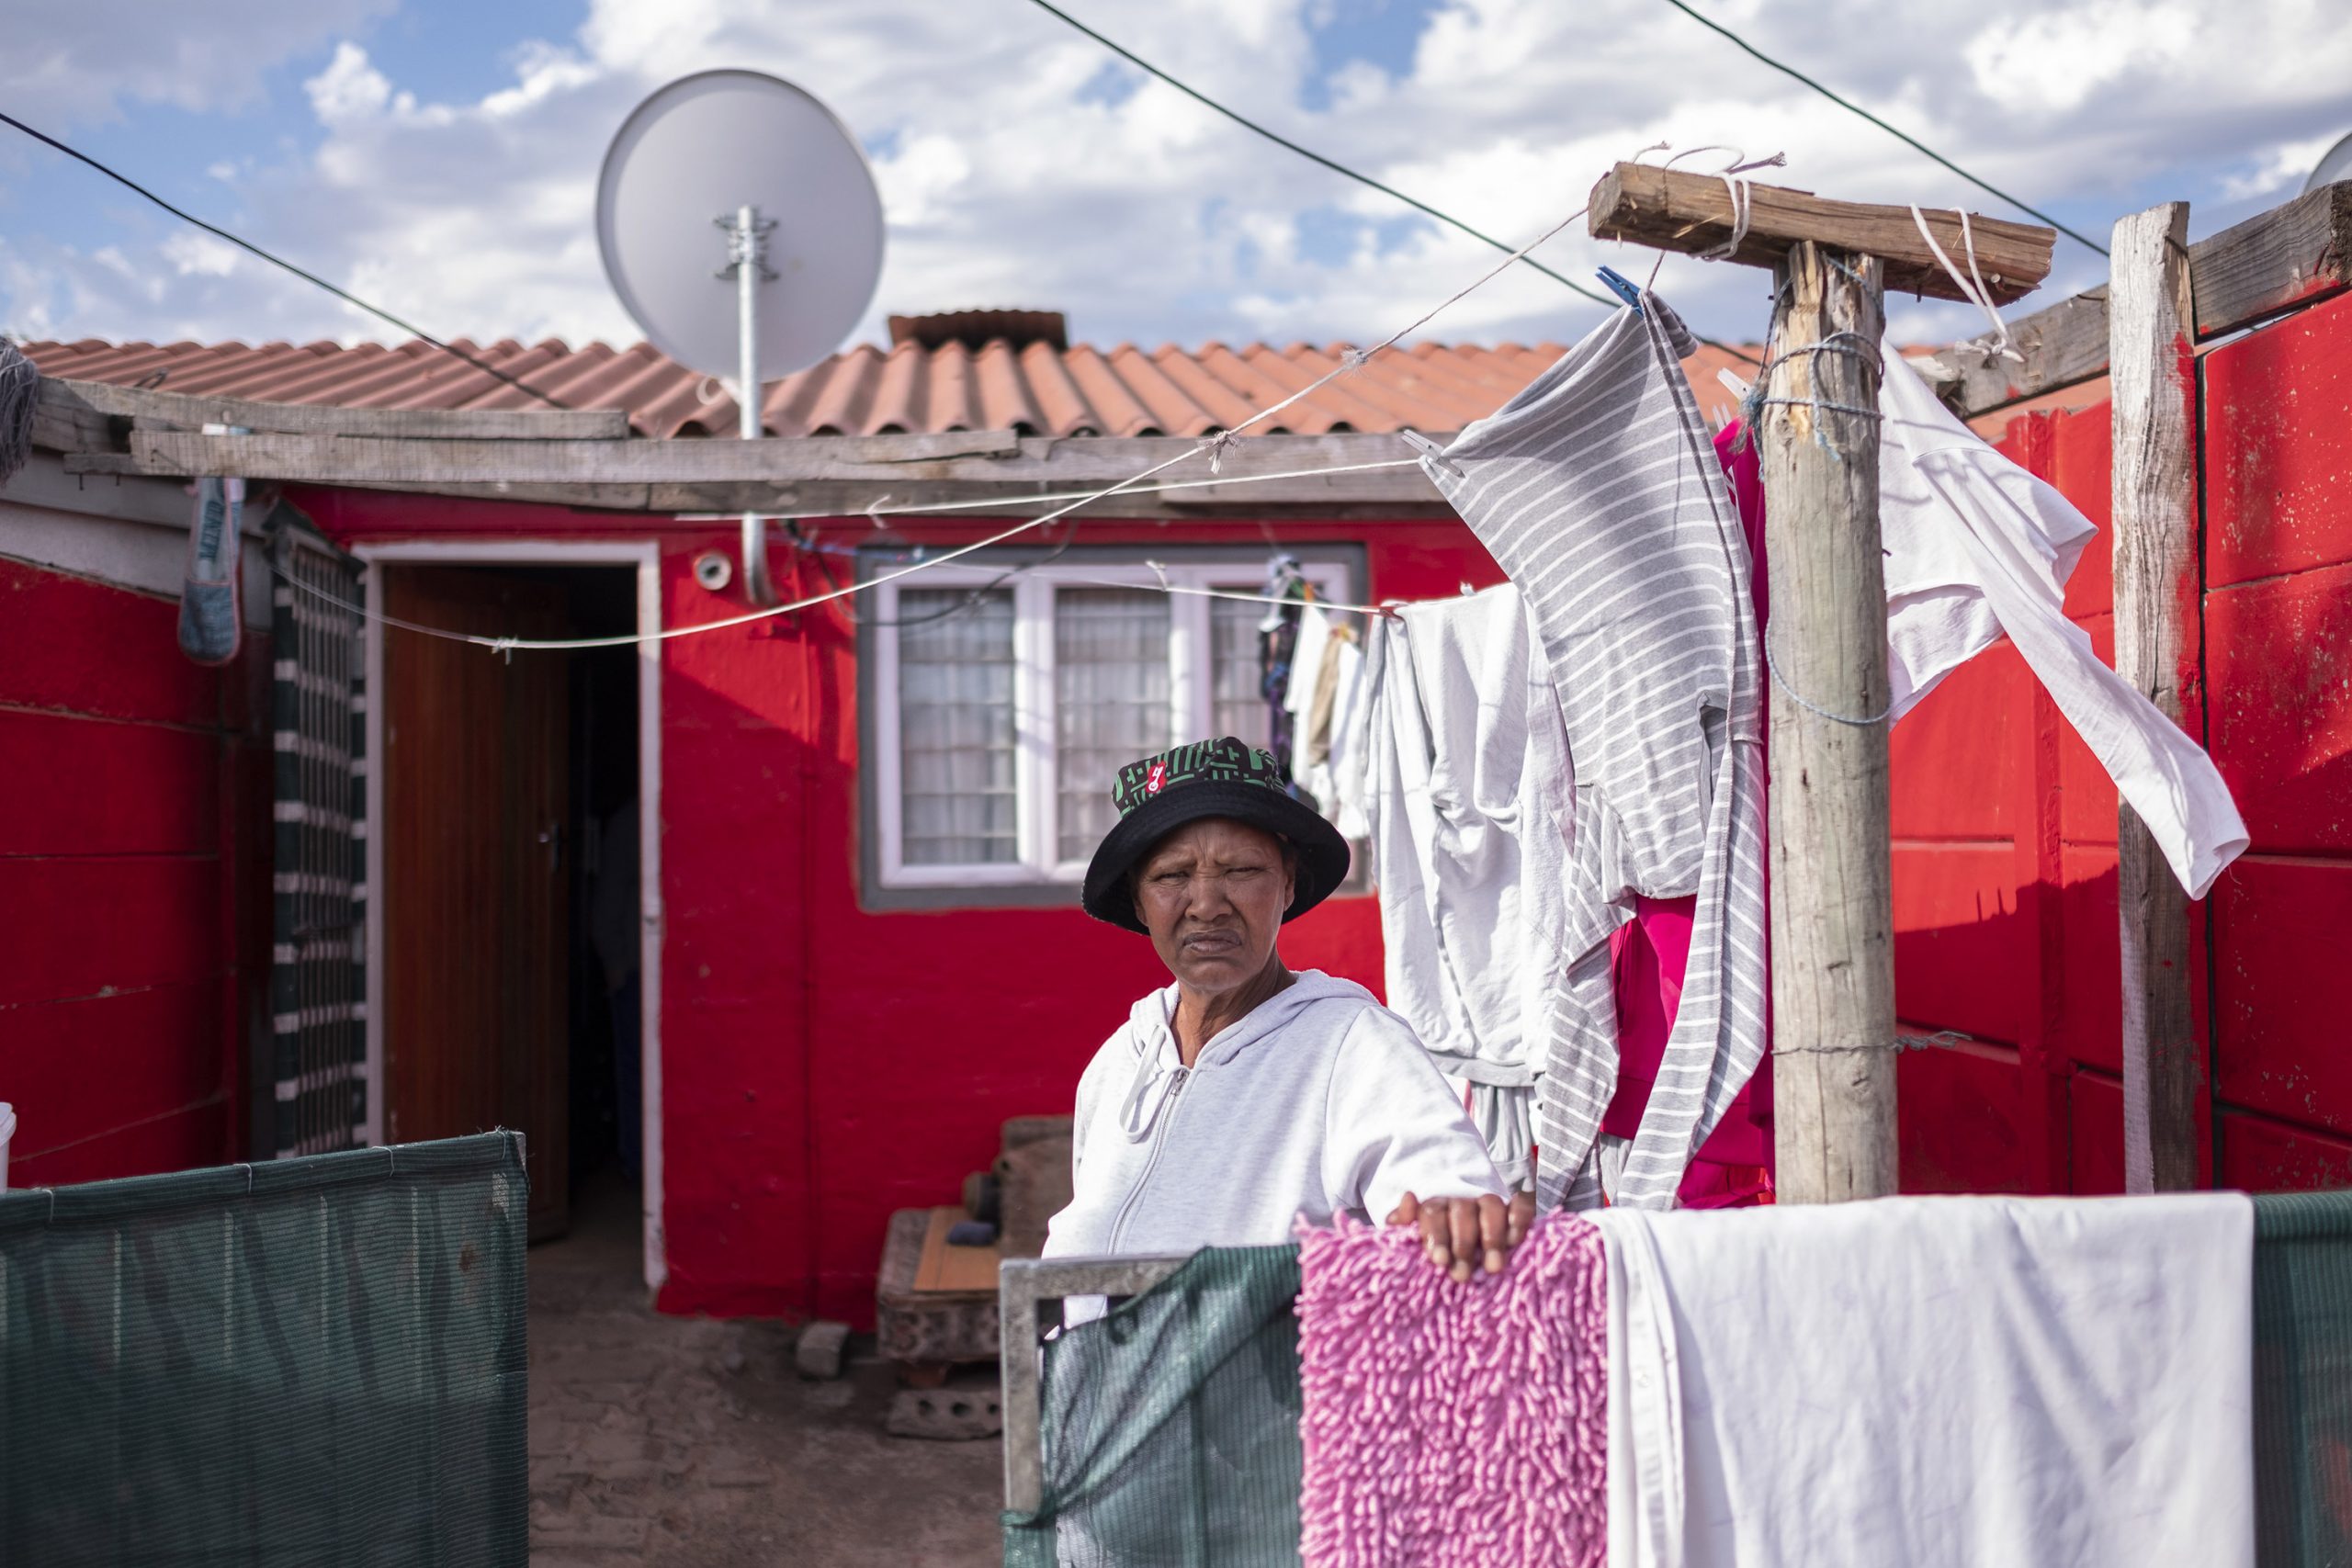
(819, 1353)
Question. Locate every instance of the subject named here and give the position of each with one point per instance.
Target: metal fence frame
(1022, 1284)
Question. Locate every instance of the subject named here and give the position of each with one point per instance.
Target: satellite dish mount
(801, 204)
(746, 264)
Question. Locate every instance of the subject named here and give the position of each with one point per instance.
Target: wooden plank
(2287, 256)
(2290, 255)
(361, 459)
(1673, 209)
(192, 411)
(818, 475)
(2151, 319)
(2058, 347)
(950, 1269)
(1833, 953)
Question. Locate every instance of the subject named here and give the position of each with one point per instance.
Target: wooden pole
(2152, 358)
(1833, 955)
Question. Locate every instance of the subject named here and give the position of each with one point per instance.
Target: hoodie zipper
(1159, 1125)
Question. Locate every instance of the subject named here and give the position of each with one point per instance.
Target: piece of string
(1976, 293)
(1235, 595)
(1812, 707)
(1223, 438)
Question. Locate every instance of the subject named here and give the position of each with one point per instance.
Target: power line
(1903, 136)
(244, 244)
(1132, 57)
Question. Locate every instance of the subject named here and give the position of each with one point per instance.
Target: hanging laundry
(1323, 667)
(211, 626)
(1470, 813)
(1447, 1424)
(1932, 1382)
(1595, 490)
(1976, 548)
(1277, 645)
(1648, 954)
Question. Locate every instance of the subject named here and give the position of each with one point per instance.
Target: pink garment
(1452, 1426)
(1649, 953)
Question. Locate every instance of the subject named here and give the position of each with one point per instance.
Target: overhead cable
(1312, 156)
(1848, 104)
(1212, 447)
(244, 244)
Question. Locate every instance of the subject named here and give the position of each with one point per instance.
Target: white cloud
(67, 63)
(198, 254)
(1007, 181)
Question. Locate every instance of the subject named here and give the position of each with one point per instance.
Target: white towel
(1471, 806)
(1931, 1382)
(1977, 547)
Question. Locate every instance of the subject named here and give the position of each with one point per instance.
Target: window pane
(1111, 700)
(1237, 702)
(955, 740)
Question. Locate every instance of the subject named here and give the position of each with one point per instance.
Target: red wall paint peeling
(134, 882)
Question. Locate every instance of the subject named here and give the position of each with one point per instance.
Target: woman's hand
(1457, 1233)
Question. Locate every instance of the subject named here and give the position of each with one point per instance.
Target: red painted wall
(134, 882)
(824, 1064)
(2005, 826)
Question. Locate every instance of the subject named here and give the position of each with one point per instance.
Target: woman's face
(1212, 894)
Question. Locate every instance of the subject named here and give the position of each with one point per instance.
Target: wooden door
(475, 909)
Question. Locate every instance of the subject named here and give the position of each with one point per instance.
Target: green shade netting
(2302, 1379)
(306, 1361)
(1170, 1426)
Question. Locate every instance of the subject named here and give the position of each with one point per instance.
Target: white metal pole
(748, 269)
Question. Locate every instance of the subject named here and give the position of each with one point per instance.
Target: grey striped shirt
(1597, 490)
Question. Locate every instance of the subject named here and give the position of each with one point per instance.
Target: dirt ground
(683, 1441)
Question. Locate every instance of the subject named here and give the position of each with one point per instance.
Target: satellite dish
(741, 228)
(2336, 165)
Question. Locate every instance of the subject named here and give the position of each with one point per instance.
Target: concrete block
(820, 1349)
(965, 1408)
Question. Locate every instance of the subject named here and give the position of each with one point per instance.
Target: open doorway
(506, 818)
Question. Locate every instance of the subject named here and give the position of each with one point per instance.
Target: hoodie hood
(1154, 1040)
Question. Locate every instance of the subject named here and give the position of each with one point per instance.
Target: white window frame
(1035, 784)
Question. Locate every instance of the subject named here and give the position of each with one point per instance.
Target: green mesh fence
(309, 1361)
(1171, 1426)
(2302, 1379)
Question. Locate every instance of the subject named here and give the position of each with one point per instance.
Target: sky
(440, 158)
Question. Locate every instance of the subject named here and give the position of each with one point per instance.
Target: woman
(1245, 1096)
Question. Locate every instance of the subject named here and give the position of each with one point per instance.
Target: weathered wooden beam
(192, 411)
(2290, 255)
(1833, 885)
(2150, 317)
(365, 459)
(1673, 209)
(817, 474)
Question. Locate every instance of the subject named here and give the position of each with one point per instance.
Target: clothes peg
(1622, 288)
(1736, 384)
(1430, 450)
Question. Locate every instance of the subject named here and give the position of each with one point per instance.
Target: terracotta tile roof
(933, 381)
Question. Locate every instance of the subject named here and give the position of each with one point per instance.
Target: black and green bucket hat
(1224, 777)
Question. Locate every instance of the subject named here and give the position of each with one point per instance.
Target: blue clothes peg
(1622, 289)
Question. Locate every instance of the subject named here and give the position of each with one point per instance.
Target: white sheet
(1977, 547)
(1977, 1383)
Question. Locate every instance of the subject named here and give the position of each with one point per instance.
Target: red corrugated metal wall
(2004, 826)
(134, 881)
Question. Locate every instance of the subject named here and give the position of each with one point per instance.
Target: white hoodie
(1318, 1100)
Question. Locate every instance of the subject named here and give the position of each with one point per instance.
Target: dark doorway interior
(510, 873)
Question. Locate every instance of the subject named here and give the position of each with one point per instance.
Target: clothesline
(1212, 446)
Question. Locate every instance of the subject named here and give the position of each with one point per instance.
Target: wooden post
(1833, 920)
(1833, 951)
(2152, 358)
